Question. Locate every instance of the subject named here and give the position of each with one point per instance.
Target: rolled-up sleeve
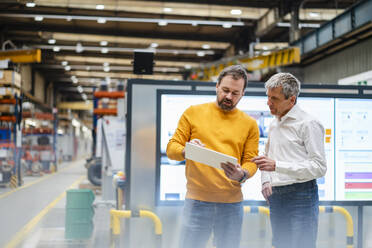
(251, 150)
(177, 143)
(265, 175)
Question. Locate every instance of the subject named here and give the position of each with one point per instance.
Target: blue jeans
(294, 211)
(201, 218)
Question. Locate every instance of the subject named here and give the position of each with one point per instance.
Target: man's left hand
(233, 171)
(264, 163)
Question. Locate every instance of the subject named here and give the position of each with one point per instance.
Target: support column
(294, 30)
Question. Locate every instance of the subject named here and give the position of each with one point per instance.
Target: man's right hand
(196, 142)
(267, 191)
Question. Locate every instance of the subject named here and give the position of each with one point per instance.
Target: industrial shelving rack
(10, 140)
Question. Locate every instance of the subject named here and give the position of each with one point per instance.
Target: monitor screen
(353, 158)
(172, 181)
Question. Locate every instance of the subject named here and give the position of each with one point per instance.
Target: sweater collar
(233, 111)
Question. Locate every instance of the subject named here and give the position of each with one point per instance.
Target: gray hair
(236, 71)
(290, 84)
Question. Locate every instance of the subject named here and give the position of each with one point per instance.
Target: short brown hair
(236, 71)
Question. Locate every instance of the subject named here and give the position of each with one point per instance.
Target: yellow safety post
(155, 219)
(349, 222)
(261, 210)
(116, 215)
(120, 198)
(13, 181)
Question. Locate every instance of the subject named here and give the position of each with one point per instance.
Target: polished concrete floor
(33, 215)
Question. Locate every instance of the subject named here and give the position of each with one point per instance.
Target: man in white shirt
(294, 158)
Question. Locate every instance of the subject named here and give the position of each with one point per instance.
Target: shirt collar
(293, 113)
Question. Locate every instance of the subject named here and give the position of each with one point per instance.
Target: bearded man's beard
(226, 104)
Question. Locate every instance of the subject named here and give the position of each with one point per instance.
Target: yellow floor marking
(19, 236)
(37, 181)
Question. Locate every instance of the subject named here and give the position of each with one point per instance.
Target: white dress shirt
(296, 143)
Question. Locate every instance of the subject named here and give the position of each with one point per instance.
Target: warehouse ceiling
(86, 41)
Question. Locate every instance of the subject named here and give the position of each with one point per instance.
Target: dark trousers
(294, 211)
(200, 219)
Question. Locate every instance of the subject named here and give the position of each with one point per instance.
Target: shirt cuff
(265, 177)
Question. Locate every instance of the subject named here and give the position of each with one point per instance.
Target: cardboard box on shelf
(6, 108)
(9, 92)
(9, 77)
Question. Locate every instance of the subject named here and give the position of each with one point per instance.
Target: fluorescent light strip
(301, 25)
(112, 68)
(125, 19)
(30, 4)
(122, 75)
(123, 49)
(100, 60)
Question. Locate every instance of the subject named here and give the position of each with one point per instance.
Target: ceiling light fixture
(68, 18)
(74, 79)
(30, 4)
(88, 68)
(101, 20)
(314, 14)
(100, 6)
(236, 12)
(162, 23)
(129, 19)
(227, 25)
(127, 49)
(39, 18)
(80, 89)
(106, 68)
(103, 43)
(52, 41)
(68, 68)
(206, 46)
(167, 9)
(106, 64)
(154, 45)
(56, 49)
(200, 53)
(79, 47)
(64, 63)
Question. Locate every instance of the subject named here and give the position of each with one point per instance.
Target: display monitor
(171, 174)
(353, 149)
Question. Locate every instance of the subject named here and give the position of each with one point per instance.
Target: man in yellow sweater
(214, 198)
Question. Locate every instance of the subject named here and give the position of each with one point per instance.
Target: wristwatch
(244, 178)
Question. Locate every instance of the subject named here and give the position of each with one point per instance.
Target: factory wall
(350, 61)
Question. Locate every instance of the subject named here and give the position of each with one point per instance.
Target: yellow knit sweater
(233, 133)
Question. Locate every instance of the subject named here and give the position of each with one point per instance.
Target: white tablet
(207, 156)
